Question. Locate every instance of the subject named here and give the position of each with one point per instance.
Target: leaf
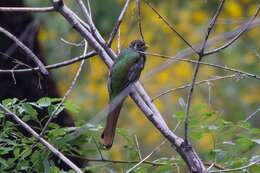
(5, 150)
(53, 108)
(124, 133)
(9, 102)
(30, 110)
(44, 102)
(71, 107)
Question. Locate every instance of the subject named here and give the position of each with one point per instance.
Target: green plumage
(120, 71)
(125, 71)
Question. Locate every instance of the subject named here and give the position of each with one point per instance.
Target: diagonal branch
(26, 50)
(40, 139)
(211, 25)
(26, 9)
(54, 66)
(197, 83)
(118, 22)
(139, 19)
(236, 37)
(170, 26)
(73, 83)
(195, 73)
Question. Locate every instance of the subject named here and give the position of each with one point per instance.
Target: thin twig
(211, 26)
(236, 37)
(86, 13)
(171, 27)
(54, 66)
(40, 139)
(149, 155)
(204, 63)
(236, 169)
(81, 43)
(187, 52)
(195, 73)
(139, 19)
(138, 147)
(26, 50)
(64, 98)
(26, 9)
(118, 22)
(118, 41)
(197, 83)
(116, 161)
(251, 115)
(99, 151)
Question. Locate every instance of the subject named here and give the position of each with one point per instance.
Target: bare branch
(251, 115)
(211, 26)
(117, 161)
(118, 22)
(216, 78)
(26, 9)
(149, 155)
(236, 169)
(26, 50)
(236, 37)
(56, 110)
(188, 52)
(243, 73)
(53, 66)
(40, 139)
(195, 74)
(171, 27)
(139, 19)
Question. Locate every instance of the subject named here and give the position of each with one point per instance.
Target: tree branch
(195, 73)
(197, 83)
(26, 50)
(26, 9)
(170, 26)
(40, 139)
(118, 22)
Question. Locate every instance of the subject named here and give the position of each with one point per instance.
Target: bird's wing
(134, 72)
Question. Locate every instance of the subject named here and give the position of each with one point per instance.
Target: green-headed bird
(125, 71)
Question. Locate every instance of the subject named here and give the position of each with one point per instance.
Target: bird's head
(138, 45)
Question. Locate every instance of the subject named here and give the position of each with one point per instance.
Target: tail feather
(110, 128)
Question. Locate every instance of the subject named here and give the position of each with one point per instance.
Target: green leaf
(124, 133)
(9, 102)
(71, 107)
(5, 150)
(30, 110)
(44, 102)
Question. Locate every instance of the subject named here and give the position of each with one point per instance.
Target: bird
(125, 71)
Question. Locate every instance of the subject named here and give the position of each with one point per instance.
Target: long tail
(110, 129)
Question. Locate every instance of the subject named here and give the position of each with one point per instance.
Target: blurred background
(232, 99)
